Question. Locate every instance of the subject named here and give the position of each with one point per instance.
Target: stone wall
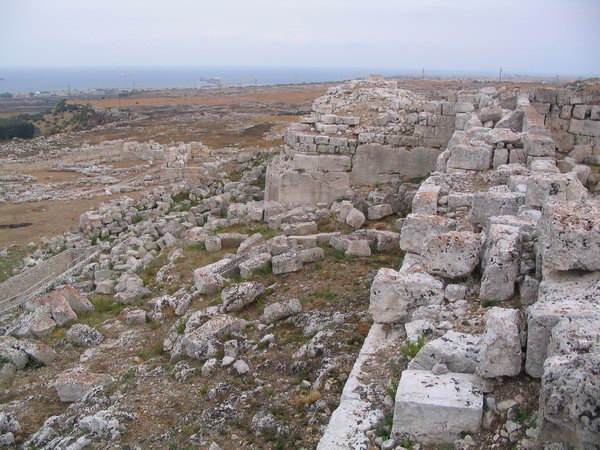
(364, 133)
(573, 118)
(46, 270)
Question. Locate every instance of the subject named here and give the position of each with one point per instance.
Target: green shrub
(410, 348)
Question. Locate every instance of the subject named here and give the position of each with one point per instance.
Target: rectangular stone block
(564, 296)
(585, 127)
(570, 235)
(435, 409)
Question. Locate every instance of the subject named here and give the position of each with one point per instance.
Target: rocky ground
(421, 312)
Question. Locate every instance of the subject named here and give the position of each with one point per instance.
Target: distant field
(293, 94)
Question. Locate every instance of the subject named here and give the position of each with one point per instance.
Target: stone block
(458, 351)
(380, 211)
(417, 227)
(239, 295)
(566, 296)
(71, 386)
(575, 336)
(451, 255)
(489, 204)
(425, 200)
(538, 145)
(435, 409)
(355, 218)
(255, 263)
(585, 127)
(395, 294)
(500, 353)
(570, 235)
(470, 157)
(287, 262)
(500, 263)
(570, 401)
(542, 187)
(358, 248)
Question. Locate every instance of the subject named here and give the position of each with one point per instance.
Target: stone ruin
(505, 216)
(493, 195)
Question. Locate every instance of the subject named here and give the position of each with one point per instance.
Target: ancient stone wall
(46, 270)
(573, 117)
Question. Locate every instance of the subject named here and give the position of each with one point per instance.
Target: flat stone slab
(435, 409)
(360, 408)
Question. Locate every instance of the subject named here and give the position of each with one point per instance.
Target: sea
(25, 80)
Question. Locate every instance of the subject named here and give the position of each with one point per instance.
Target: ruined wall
(46, 270)
(573, 117)
(363, 133)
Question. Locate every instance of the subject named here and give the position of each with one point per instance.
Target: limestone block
(209, 278)
(567, 296)
(500, 157)
(476, 156)
(200, 343)
(500, 353)
(538, 145)
(580, 336)
(570, 235)
(425, 200)
(435, 409)
(212, 244)
(355, 218)
(395, 294)
(543, 165)
(252, 244)
(458, 351)
(300, 228)
(500, 263)
(281, 310)
(417, 227)
(239, 295)
(358, 248)
(71, 386)
(11, 354)
(570, 401)
(310, 255)
(375, 163)
(287, 262)
(84, 336)
(451, 255)
(542, 187)
(386, 241)
(254, 264)
(380, 211)
(489, 204)
(341, 210)
(585, 127)
(512, 120)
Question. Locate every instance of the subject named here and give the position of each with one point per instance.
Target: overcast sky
(522, 36)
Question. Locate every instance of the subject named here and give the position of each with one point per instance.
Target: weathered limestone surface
(395, 294)
(500, 353)
(458, 351)
(570, 400)
(435, 409)
(500, 263)
(570, 235)
(360, 407)
(573, 297)
(451, 255)
(417, 227)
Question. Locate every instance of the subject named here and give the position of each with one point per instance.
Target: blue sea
(17, 80)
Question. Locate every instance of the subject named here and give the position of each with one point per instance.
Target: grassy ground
(11, 260)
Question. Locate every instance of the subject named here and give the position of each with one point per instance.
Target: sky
(521, 36)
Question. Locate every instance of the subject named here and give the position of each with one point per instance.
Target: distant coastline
(27, 80)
